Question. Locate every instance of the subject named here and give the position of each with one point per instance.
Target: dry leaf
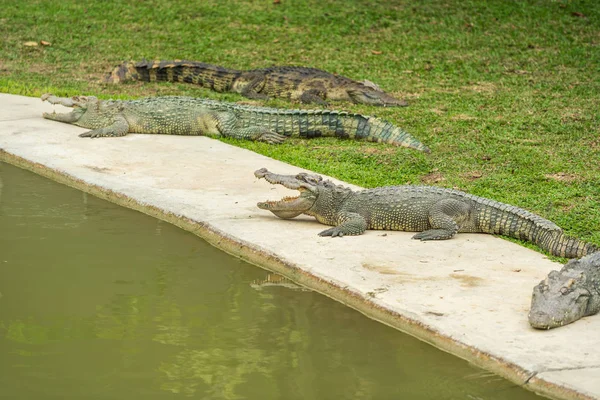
(376, 52)
(275, 40)
(44, 43)
(276, 1)
(578, 14)
(30, 44)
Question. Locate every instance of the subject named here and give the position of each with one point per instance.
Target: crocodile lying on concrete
(193, 116)
(308, 85)
(567, 295)
(435, 213)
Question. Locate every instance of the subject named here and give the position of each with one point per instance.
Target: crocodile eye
(564, 290)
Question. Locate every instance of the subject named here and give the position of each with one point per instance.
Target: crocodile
(567, 295)
(307, 85)
(195, 116)
(435, 213)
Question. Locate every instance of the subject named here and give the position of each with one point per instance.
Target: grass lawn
(506, 94)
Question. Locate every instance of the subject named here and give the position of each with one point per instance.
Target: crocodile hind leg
(253, 88)
(445, 218)
(227, 125)
(119, 128)
(315, 96)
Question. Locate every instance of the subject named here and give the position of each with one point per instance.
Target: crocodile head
(80, 105)
(290, 207)
(364, 94)
(565, 296)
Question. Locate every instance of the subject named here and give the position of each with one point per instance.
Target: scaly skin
(308, 85)
(567, 295)
(435, 213)
(192, 116)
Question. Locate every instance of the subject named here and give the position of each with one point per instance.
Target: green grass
(506, 94)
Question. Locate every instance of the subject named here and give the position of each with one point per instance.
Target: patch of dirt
(380, 269)
(472, 175)
(572, 116)
(467, 280)
(433, 177)
(563, 177)
(42, 68)
(567, 207)
(374, 150)
(482, 87)
(438, 111)
(462, 117)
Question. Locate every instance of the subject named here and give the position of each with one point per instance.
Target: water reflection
(104, 302)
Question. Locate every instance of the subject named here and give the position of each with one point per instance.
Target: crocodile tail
(317, 123)
(565, 246)
(210, 76)
(377, 130)
(355, 126)
(503, 219)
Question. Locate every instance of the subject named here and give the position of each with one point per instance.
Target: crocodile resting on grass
(308, 85)
(436, 213)
(567, 295)
(193, 116)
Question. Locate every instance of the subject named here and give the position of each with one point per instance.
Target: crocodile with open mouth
(196, 116)
(435, 213)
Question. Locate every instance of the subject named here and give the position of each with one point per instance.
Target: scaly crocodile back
(297, 123)
(209, 76)
(308, 85)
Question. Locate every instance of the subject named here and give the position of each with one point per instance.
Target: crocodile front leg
(350, 224)
(119, 128)
(445, 218)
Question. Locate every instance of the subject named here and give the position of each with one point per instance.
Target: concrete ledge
(468, 296)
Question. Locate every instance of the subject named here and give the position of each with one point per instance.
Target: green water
(101, 302)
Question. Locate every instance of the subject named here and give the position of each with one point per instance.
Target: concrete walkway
(468, 296)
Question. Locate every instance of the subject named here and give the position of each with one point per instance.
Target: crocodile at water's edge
(567, 295)
(436, 213)
(195, 116)
(308, 85)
